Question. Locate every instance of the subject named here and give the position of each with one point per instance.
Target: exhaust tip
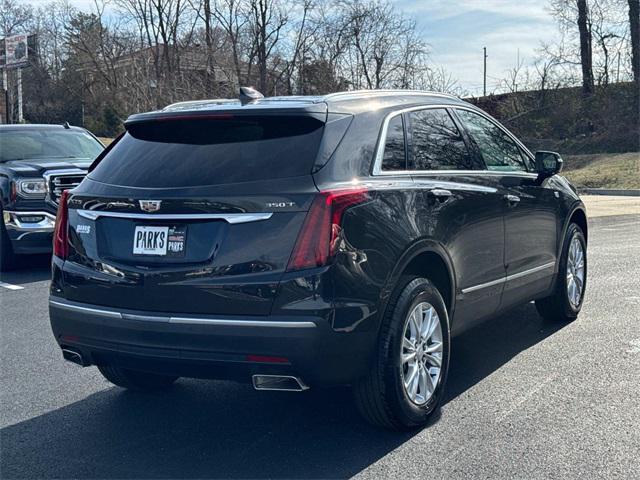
(73, 357)
(282, 383)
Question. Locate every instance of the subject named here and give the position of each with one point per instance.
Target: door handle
(512, 200)
(440, 193)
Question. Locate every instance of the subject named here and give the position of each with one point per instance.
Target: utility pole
(484, 83)
(20, 117)
(5, 92)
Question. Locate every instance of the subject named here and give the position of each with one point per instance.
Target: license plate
(160, 241)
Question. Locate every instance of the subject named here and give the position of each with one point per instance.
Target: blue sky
(457, 30)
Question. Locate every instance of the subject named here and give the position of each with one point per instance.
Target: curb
(610, 191)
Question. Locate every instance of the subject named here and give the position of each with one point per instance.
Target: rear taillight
(60, 232)
(319, 238)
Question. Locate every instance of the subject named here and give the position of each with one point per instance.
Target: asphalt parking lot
(526, 399)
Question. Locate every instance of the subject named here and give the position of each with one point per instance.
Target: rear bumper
(27, 235)
(212, 347)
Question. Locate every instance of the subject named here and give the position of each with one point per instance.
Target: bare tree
(634, 23)
(595, 41)
(586, 54)
(232, 18)
(14, 17)
(268, 19)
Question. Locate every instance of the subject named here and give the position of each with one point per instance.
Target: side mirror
(548, 163)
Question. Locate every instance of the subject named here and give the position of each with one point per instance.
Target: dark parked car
(37, 163)
(310, 241)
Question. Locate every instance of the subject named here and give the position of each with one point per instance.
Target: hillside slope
(604, 170)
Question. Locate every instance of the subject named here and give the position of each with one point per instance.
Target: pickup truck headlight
(31, 187)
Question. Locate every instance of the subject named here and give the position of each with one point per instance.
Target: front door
(530, 216)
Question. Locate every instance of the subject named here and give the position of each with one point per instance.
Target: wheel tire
(381, 396)
(135, 380)
(7, 257)
(557, 306)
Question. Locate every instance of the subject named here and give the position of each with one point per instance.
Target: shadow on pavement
(482, 350)
(216, 429)
(30, 268)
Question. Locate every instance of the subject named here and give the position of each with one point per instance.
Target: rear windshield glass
(212, 151)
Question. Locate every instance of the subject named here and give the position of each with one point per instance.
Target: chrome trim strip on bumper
(241, 323)
(12, 221)
(228, 217)
(182, 320)
(94, 311)
(508, 278)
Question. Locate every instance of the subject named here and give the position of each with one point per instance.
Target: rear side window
(394, 151)
(436, 143)
(498, 150)
(212, 151)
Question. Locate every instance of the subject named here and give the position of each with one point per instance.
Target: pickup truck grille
(58, 183)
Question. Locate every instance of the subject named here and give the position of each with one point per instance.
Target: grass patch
(604, 170)
(105, 140)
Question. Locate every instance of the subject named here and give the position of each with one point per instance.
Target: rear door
(460, 207)
(530, 210)
(193, 215)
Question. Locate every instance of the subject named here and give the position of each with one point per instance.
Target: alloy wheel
(422, 350)
(575, 272)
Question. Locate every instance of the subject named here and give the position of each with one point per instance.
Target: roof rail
(200, 103)
(381, 92)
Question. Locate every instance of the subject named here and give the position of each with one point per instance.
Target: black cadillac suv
(300, 242)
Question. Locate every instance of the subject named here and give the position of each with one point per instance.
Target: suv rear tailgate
(236, 208)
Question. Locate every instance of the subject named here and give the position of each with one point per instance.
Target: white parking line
(8, 286)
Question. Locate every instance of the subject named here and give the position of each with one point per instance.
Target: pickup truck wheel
(7, 257)
(566, 301)
(135, 380)
(406, 382)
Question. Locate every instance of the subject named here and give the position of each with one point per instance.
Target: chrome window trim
(508, 278)
(379, 153)
(382, 138)
(182, 320)
(435, 173)
(232, 218)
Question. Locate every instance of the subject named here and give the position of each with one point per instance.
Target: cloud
(458, 29)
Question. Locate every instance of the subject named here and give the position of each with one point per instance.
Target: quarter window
(498, 150)
(436, 143)
(394, 152)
